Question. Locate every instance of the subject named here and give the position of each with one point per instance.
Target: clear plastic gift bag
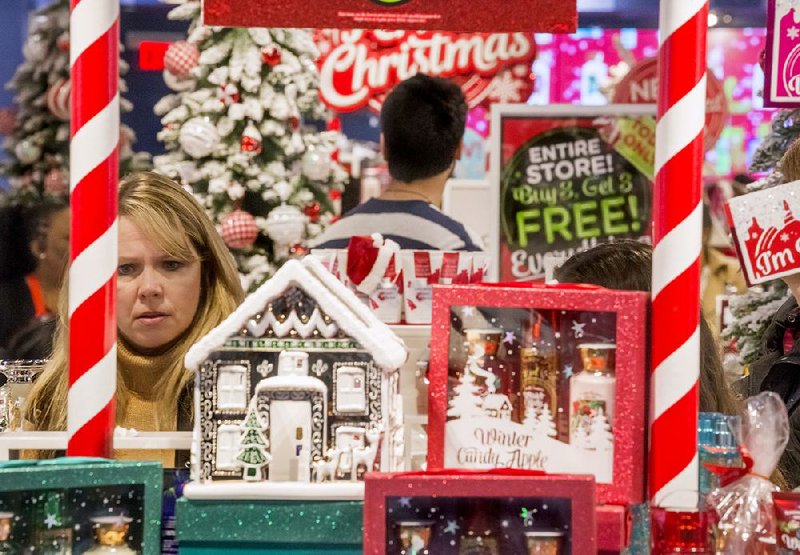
(745, 517)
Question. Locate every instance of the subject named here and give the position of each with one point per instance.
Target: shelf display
(19, 376)
(473, 513)
(532, 378)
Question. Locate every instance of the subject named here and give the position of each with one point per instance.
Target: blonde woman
(176, 281)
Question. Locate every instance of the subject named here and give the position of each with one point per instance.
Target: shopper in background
(176, 282)
(628, 265)
(422, 128)
(778, 367)
(35, 259)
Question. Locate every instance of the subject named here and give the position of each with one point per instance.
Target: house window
(351, 394)
(228, 446)
(232, 387)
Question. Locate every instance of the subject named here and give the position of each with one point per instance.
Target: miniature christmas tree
(531, 420)
(253, 454)
(546, 425)
(37, 163)
(466, 402)
(600, 436)
(234, 133)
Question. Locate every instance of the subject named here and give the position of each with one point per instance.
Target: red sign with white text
(640, 86)
(542, 16)
(358, 68)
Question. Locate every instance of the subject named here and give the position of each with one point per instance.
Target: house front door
(286, 449)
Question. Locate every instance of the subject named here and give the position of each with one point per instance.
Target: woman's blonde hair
(174, 220)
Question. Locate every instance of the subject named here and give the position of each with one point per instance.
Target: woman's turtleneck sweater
(140, 375)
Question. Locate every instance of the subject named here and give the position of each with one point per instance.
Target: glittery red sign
(358, 68)
(543, 16)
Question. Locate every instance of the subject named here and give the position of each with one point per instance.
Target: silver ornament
(27, 152)
(198, 137)
(285, 225)
(316, 164)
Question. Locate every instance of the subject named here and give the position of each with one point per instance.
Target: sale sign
(767, 232)
(542, 16)
(358, 68)
(640, 86)
(782, 67)
(568, 183)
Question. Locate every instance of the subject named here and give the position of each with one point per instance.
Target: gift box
(453, 512)
(766, 232)
(259, 526)
(75, 505)
(533, 377)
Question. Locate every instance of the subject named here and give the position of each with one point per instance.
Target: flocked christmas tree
(466, 401)
(600, 436)
(253, 455)
(546, 426)
(238, 132)
(37, 163)
(753, 311)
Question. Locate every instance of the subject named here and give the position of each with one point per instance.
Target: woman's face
(157, 295)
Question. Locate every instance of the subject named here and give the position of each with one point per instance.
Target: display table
(281, 527)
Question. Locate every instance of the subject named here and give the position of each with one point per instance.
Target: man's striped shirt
(413, 224)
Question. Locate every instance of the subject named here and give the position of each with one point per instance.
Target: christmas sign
(568, 182)
(538, 378)
(358, 68)
(640, 86)
(767, 232)
(782, 67)
(543, 16)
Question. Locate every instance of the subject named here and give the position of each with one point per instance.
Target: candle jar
(110, 536)
(675, 531)
(414, 537)
(20, 375)
(6, 521)
(592, 394)
(544, 542)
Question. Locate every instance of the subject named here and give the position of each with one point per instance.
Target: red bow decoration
(728, 475)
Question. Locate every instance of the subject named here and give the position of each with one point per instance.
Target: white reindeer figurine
(366, 455)
(326, 468)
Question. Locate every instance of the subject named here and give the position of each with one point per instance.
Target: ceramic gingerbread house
(296, 391)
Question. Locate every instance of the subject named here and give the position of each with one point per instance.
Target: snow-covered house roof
(351, 315)
(495, 401)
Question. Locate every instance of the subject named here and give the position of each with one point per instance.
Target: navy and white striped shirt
(413, 224)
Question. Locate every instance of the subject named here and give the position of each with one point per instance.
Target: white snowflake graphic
(265, 368)
(468, 311)
(505, 88)
(405, 502)
(793, 32)
(50, 521)
(784, 237)
(509, 337)
(451, 528)
(319, 367)
(577, 329)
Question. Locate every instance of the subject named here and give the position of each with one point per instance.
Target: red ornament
(239, 230)
(335, 194)
(298, 250)
(335, 156)
(58, 99)
(181, 58)
(251, 139)
(55, 182)
(335, 124)
(8, 120)
(271, 55)
(313, 211)
(62, 42)
(294, 122)
(228, 94)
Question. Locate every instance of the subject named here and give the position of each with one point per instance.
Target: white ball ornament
(316, 164)
(286, 225)
(27, 152)
(198, 137)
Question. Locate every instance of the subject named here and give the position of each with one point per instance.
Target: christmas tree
(600, 436)
(466, 402)
(752, 312)
(234, 132)
(38, 148)
(253, 453)
(531, 420)
(546, 425)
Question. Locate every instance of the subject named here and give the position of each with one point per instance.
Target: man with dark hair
(422, 127)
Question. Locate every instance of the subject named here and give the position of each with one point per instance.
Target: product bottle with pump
(539, 371)
(592, 391)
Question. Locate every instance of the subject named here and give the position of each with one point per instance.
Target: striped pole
(677, 236)
(94, 169)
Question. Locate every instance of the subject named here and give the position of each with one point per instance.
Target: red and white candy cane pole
(677, 235)
(94, 169)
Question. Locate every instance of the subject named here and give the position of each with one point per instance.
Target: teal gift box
(59, 504)
(208, 527)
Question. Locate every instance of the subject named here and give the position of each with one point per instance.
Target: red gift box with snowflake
(766, 232)
(544, 378)
(488, 512)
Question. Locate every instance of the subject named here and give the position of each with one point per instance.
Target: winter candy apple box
(542, 378)
(766, 232)
(495, 511)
